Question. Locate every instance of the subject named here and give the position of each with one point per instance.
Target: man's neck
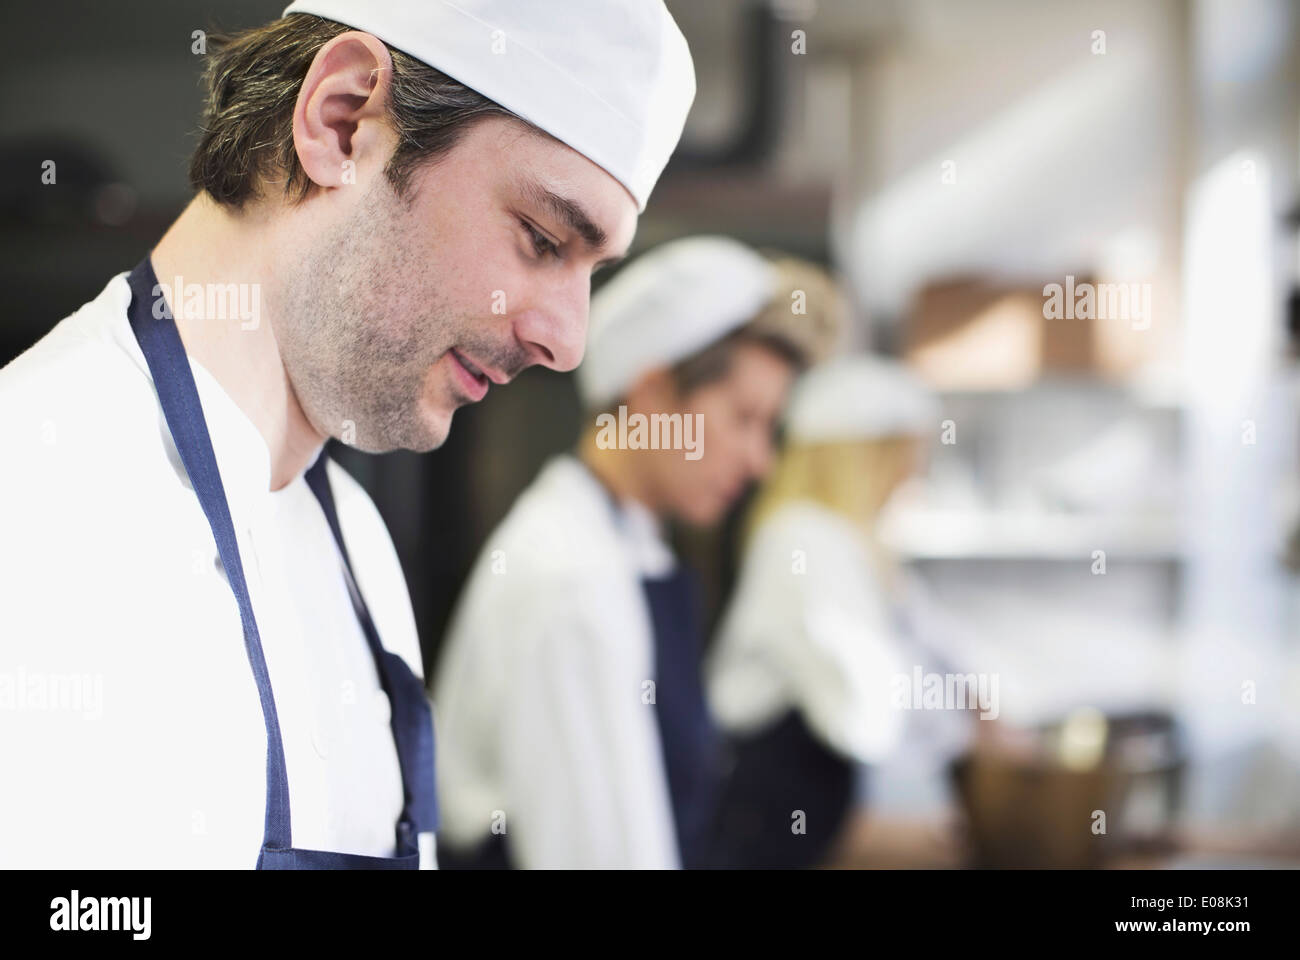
(615, 470)
(215, 248)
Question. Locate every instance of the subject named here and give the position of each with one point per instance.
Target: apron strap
(174, 381)
(411, 715)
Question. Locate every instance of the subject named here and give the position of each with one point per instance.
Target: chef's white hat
(666, 305)
(611, 78)
(859, 397)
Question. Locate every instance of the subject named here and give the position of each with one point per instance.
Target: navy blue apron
(412, 717)
(691, 743)
(780, 769)
(690, 740)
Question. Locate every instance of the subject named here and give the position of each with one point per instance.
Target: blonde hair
(852, 477)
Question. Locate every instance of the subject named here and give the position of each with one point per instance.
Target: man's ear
(340, 131)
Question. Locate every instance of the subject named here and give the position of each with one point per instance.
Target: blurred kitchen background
(948, 158)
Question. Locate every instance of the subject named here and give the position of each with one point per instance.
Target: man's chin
(429, 433)
(436, 426)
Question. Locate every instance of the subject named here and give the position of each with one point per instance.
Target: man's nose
(554, 333)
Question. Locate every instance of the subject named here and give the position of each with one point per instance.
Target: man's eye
(541, 245)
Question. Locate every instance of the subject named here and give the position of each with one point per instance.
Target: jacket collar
(241, 452)
(640, 533)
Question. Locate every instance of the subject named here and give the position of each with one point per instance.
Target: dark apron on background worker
(412, 717)
(779, 773)
(692, 745)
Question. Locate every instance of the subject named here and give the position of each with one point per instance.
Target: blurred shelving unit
(1054, 471)
(923, 534)
(1050, 533)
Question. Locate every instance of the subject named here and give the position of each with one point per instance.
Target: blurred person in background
(574, 730)
(802, 675)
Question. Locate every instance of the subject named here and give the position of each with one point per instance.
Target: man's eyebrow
(572, 215)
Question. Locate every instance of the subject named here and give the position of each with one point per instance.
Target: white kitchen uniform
(544, 729)
(810, 629)
(131, 732)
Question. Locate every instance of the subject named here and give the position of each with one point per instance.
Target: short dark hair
(251, 82)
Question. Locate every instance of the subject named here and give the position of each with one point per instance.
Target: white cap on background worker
(669, 303)
(859, 397)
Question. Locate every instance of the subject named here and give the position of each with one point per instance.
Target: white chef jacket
(809, 628)
(131, 734)
(543, 723)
